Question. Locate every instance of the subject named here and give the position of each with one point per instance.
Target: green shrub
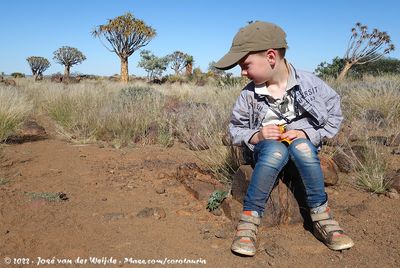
(18, 75)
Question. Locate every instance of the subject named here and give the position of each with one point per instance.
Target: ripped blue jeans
(270, 158)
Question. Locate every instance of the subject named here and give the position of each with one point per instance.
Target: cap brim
(230, 60)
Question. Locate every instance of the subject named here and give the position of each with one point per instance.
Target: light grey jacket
(322, 105)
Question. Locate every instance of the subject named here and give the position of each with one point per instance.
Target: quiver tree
(38, 65)
(189, 65)
(126, 34)
(68, 56)
(365, 47)
(153, 65)
(214, 71)
(179, 61)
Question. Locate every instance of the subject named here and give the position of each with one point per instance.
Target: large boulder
(30, 131)
(286, 204)
(330, 170)
(198, 182)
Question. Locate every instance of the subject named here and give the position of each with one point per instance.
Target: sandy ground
(107, 188)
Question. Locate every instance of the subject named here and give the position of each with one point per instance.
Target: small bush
(18, 75)
(371, 171)
(14, 109)
(4, 181)
(50, 197)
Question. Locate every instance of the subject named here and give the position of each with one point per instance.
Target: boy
(279, 95)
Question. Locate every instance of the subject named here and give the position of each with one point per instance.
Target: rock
(359, 152)
(379, 139)
(197, 181)
(159, 213)
(156, 212)
(240, 182)
(357, 210)
(232, 209)
(347, 159)
(282, 205)
(274, 250)
(396, 151)
(221, 234)
(30, 131)
(205, 229)
(216, 212)
(392, 194)
(330, 170)
(207, 236)
(241, 155)
(343, 162)
(160, 189)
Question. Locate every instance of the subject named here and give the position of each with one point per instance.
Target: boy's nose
(244, 73)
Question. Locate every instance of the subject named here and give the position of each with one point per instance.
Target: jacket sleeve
(332, 114)
(240, 125)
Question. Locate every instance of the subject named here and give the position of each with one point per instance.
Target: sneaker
(245, 239)
(329, 232)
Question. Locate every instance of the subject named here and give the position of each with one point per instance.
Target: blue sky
(316, 30)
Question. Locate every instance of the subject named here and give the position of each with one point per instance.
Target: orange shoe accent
(247, 212)
(338, 234)
(246, 240)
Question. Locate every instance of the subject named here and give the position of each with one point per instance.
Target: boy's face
(256, 67)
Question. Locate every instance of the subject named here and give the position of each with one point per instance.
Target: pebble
(393, 195)
(205, 229)
(160, 189)
(216, 212)
(221, 234)
(156, 212)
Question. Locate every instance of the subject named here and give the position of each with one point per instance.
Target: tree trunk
(38, 77)
(189, 69)
(124, 70)
(66, 72)
(345, 70)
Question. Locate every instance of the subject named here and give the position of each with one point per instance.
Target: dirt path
(107, 188)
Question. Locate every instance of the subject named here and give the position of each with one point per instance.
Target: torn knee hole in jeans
(304, 148)
(277, 155)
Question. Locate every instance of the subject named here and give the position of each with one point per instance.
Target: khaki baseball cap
(257, 36)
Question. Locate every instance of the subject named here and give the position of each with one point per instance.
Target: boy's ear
(271, 55)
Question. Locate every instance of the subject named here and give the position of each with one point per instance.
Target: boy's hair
(280, 51)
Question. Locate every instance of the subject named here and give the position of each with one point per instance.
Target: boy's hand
(270, 132)
(293, 134)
